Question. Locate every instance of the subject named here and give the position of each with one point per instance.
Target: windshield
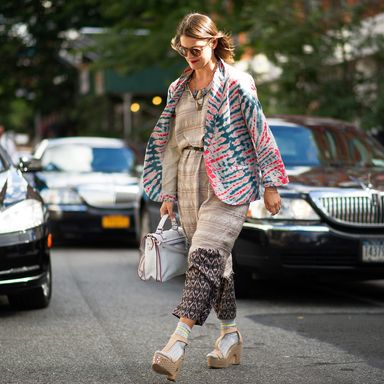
(300, 146)
(83, 158)
(3, 164)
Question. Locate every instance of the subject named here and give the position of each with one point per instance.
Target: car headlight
(291, 209)
(60, 196)
(21, 216)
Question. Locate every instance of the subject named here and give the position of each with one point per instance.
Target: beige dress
(211, 226)
(186, 177)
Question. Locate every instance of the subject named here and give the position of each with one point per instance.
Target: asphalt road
(104, 324)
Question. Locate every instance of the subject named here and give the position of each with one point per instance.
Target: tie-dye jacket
(240, 151)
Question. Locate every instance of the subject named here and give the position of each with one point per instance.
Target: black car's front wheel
(34, 298)
(244, 278)
(145, 222)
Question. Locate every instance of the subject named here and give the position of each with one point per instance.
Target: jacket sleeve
(273, 173)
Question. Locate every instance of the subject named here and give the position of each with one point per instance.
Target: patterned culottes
(211, 227)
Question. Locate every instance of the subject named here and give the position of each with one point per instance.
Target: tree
(141, 32)
(32, 33)
(318, 48)
(320, 51)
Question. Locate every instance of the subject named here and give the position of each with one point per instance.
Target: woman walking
(210, 152)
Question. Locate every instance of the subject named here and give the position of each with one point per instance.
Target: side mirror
(139, 169)
(30, 164)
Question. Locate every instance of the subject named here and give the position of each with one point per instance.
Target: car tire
(243, 282)
(243, 278)
(34, 298)
(145, 222)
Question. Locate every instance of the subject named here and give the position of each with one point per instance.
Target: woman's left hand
(272, 200)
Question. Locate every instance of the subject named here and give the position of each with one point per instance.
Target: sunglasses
(195, 51)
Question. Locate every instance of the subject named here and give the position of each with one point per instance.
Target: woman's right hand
(167, 208)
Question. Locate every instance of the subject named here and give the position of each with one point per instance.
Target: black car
(25, 265)
(90, 186)
(332, 216)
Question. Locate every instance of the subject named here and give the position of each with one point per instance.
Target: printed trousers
(211, 227)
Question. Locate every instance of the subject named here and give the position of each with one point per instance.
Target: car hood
(305, 179)
(103, 190)
(58, 180)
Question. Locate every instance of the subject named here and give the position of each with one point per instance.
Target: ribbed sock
(183, 330)
(177, 350)
(229, 339)
(225, 324)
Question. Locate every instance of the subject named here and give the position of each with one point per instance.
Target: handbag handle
(162, 221)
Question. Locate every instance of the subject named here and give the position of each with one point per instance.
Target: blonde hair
(200, 26)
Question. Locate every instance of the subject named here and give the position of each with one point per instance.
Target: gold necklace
(201, 93)
(199, 97)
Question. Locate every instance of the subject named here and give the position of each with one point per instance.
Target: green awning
(147, 81)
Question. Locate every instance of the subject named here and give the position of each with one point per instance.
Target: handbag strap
(162, 222)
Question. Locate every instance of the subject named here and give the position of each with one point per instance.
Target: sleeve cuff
(171, 198)
(278, 183)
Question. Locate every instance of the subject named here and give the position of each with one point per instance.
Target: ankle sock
(177, 349)
(183, 330)
(230, 338)
(225, 324)
(227, 341)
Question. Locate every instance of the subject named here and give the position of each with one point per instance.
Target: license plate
(115, 221)
(373, 251)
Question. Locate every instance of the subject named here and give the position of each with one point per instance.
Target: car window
(328, 146)
(83, 158)
(297, 145)
(365, 151)
(3, 163)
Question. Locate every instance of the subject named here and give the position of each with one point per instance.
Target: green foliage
(31, 37)
(300, 37)
(20, 116)
(312, 45)
(142, 36)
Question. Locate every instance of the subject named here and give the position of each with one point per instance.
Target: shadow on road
(318, 292)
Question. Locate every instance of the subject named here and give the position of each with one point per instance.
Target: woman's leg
(225, 305)
(187, 321)
(202, 284)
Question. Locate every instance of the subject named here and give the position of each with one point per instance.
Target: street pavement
(104, 324)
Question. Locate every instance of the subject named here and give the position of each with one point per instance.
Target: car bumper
(24, 259)
(286, 248)
(77, 222)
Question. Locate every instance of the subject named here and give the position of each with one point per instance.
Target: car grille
(355, 208)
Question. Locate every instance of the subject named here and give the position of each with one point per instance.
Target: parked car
(332, 216)
(90, 186)
(25, 265)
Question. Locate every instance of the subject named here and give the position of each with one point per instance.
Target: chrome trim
(287, 228)
(22, 279)
(63, 208)
(20, 270)
(68, 207)
(354, 208)
(22, 237)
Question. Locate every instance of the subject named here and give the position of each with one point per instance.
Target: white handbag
(163, 253)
